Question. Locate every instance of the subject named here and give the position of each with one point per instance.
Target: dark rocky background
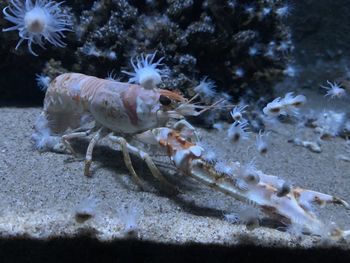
(196, 37)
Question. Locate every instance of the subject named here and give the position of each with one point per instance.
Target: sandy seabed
(40, 192)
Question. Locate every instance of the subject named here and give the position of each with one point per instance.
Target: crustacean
(123, 109)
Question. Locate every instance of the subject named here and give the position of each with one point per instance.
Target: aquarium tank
(156, 128)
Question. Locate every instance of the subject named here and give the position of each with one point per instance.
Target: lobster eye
(164, 100)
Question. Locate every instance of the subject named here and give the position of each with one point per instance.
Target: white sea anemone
(42, 138)
(146, 72)
(248, 172)
(274, 108)
(238, 131)
(330, 123)
(86, 209)
(245, 215)
(237, 112)
(261, 142)
(334, 90)
(37, 22)
(42, 81)
(206, 88)
(129, 217)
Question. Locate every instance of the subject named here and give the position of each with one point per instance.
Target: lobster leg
(127, 160)
(88, 159)
(148, 160)
(152, 167)
(67, 137)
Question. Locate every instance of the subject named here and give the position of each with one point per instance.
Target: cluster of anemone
(326, 124)
(289, 105)
(239, 129)
(330, 123)
(38, 22)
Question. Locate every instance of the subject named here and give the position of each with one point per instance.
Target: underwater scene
(176, 121)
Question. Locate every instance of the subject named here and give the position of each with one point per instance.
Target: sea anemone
(129, 217)
(248, 172)
(274, 108)
(146, 72)
(330, 123)
(42, 81)
(85, 209)
(334, 90)
(261, 142)
(36, 22)
(206, 88)
(246, 215)
(238, 131)
(237, 112)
